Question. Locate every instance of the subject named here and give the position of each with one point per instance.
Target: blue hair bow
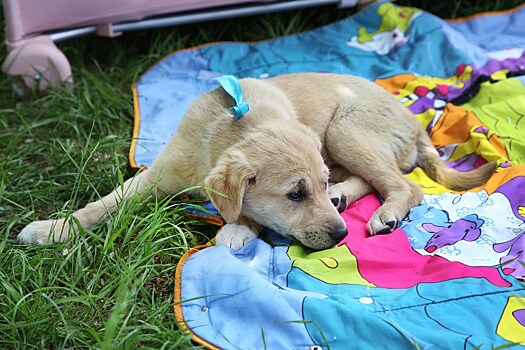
(232, 86)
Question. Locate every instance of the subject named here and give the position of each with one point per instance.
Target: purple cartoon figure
(514, 262)
(465, 229)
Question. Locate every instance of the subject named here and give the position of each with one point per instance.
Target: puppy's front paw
(235, 236)
(337, 197)
(382, 223)
(45, 231)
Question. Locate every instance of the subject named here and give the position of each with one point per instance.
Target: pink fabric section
(389, 261)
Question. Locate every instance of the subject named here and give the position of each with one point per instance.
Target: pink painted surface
(25, 17)
(389, 261)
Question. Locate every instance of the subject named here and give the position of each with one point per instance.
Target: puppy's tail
(437, 170)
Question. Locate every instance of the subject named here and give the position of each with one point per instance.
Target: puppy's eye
(296, 196)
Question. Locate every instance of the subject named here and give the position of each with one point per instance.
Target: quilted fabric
(451, 277)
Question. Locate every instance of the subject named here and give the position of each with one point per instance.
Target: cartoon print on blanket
(503, 96)
(467, 229)
(466, 156)
(512, 263)
(455, 264)
(391, 312)
(479, 147)
(395, 21)
(424, 92)
(489, 94)
(436, 282)
(446, 226)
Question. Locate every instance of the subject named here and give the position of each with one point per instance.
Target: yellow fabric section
(509, 328)
(336, 265)
(428, 185)
(501, 106)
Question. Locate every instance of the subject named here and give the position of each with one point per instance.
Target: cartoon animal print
(513, 191)
(395, 21)
(467, 229)
(514, 262)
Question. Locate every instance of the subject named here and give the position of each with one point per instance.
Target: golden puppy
(272, 166)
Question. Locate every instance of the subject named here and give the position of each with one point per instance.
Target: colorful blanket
(452, 276)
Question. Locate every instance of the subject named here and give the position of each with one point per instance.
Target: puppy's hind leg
(59, 230)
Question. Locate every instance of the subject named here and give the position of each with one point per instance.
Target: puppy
(271, 168)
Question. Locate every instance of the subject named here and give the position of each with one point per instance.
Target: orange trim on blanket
(177, 307)
(487, 13)
(214, 220)
(136, 127)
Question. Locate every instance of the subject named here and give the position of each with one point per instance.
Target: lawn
(112, 286)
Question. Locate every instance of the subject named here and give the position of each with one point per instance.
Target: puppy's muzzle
(339, 233)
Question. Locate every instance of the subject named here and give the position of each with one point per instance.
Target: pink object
(38, 62)
(30, 42)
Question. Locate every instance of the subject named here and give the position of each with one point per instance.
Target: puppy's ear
(229, 177)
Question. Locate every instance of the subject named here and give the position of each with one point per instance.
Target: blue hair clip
(232, 86)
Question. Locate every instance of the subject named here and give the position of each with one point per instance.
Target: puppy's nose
(339, 233)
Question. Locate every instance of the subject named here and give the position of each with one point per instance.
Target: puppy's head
(276, 177)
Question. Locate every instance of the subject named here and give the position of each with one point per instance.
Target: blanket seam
(514, 291)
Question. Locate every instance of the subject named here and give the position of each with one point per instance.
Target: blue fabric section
(431, 315)
(229, 293)
(494, 32)
(242, 294)
(164, 94)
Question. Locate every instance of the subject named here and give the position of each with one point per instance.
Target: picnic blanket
(452, 275)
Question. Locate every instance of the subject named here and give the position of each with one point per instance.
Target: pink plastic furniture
(33, 26)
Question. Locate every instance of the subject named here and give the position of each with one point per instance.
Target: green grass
(110, 287)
